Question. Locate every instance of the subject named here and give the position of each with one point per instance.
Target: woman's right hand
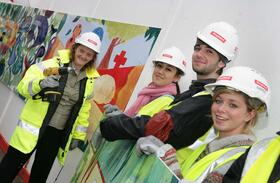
(50, 82)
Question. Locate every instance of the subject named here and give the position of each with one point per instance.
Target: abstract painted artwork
(31, 35)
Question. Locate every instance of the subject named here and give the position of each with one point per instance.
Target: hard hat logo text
(218, 36)
(167, 55)
(225, 78)
(92, 42)
(262, 85)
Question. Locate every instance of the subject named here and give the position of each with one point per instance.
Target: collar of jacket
(198, 85)
(231, 141)
(202, 82)
(195, 87)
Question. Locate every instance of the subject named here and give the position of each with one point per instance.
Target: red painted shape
(3, 144)
(100, 171)
(120, 59)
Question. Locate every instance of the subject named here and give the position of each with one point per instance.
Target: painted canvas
(31, 35)
(118, 161)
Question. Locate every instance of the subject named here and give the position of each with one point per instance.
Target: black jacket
(234, 173)
(190, 117)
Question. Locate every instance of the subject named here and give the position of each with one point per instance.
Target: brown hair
(221, 57)
(90, 64)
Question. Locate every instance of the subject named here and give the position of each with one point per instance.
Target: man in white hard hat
(56, 110)
(188, 117)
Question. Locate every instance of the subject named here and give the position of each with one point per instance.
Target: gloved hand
(111, 110)
(167, 154)
(50, 81)
(74, 144)
(148, 145)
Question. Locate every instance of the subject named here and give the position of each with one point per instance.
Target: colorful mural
(31, 35)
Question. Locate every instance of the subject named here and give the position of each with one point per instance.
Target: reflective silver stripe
(41, 66)
(255, 151)
(81, 128)
(220, 160)
(201, 93)
(210, 136)
(30, 88)
(28, 127)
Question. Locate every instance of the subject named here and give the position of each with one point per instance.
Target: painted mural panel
(115, 162)
(31, 35)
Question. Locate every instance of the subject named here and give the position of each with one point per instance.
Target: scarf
(148, 94)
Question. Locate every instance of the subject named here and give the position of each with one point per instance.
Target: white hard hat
(90, 40)
(246, 80)
(173, 56)
(222, 37)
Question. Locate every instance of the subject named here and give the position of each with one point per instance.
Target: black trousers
(46, 151)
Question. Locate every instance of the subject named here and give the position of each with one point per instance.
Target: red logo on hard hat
(218, 36)
(261, 85)
(92, 42)
(184, 63)
(167, 55)
(225, 78)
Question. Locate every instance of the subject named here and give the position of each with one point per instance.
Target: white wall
(257, 23)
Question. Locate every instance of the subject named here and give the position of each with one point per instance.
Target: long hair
(90, 64)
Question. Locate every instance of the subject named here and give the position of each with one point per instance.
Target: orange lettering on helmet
(184, 63)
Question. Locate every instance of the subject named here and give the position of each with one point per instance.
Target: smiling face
(230, 113)
(83, 55)
(164, 74)
(206, 61)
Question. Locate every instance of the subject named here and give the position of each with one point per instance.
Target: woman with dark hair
(169, 66)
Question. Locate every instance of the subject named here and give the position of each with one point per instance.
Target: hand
(148, 145)
(167, 154)
(111, 110)
(50, 81)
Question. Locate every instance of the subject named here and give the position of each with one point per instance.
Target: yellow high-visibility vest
(261, 160)
(198, 171)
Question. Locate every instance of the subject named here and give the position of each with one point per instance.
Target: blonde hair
(253, 104)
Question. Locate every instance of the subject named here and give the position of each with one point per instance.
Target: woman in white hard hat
(238, 95)
(169, 66)
(56, 111)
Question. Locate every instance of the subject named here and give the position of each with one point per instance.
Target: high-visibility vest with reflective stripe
(261, 160)
(157, 105)
(33, 113)
(185, 152)
(198, 171)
